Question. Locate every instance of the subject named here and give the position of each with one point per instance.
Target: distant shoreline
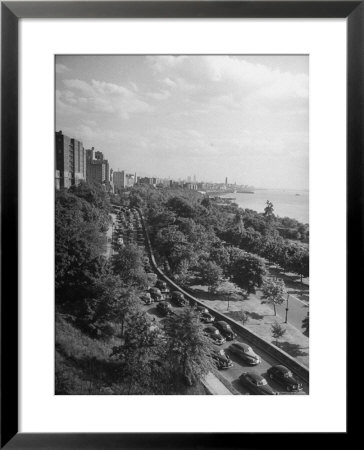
(286, 203)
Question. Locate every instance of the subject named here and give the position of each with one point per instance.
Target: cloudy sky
(241, 117)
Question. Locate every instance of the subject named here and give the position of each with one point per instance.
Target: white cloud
(104, 88)
(61, 68)
(162, 95)
(229, 76)
(100, 97)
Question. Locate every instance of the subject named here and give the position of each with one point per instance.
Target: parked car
(256, 384)
(164, 308)
(284, 376)
(244, 352)
(162, 285)
(214, 334)
(221, 359)
(146, 298)
(225, 330)
(156, 294)
(205, 316)
(179, 298)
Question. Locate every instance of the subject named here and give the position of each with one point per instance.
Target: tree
(248, 272)
(188, 349)
(220, 255)
(244, 318)
(206, 202)
(79, 242)
(227, 289)
(277, 331)
(306, 324)
(269, 210)
(115, 302)
(210, 274)
(238, 220)
(141, 345)
(273, 292)
(181, 206)
(129, 265)
(299, 262)
(92, 193)
(173, 245)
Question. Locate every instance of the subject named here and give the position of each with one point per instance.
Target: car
(179, 298)
(146, 298)
(284, 376)
(225, 330)
(162, 285)
(156, 294)
(244, 352)
(164, 308)
(221, 359)
(256, 384)
(214, 334)
(204, 314)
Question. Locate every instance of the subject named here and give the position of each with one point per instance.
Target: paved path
(297, 311)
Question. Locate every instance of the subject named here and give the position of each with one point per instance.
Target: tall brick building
(119, 180)
(70, 161)
(98, 169)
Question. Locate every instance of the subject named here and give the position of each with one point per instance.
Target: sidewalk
(214, 385)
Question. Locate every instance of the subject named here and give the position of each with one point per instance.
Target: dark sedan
(225, 330)
(204, 314)
(156, 294)
(214, 334)
(179, 298)
(284, 376)
(164, 308)
(256, 384)
(162, 285)
(244, 352)
(221, 359)
(146, 298)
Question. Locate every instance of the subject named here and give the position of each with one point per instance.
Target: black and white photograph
(181, 224)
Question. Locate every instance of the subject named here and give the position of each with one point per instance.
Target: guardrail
(280, 355)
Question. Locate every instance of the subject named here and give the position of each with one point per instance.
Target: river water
(287, 203)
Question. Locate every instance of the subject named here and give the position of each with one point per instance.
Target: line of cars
(219, 332)
(128, 229)
(257, 384)
(160, 293)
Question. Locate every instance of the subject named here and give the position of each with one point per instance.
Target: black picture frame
(11, 12)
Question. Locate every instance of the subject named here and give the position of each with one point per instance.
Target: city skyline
(244, 117)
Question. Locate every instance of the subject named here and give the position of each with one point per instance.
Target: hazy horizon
(240, 117)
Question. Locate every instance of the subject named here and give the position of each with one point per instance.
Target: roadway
(232, 374)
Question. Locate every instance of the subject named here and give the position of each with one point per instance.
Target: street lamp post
(286, 309)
